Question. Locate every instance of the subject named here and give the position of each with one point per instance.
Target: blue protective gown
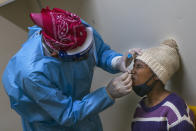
(53, 95)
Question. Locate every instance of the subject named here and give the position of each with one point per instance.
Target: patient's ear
(155, 78)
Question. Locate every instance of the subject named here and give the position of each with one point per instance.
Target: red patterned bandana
(62, 30)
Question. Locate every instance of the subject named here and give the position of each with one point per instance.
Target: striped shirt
(171, 114)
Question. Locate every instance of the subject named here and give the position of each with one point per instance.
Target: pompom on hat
(61, 30)
(164, 60)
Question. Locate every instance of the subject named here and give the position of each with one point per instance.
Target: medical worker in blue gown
(48, 80)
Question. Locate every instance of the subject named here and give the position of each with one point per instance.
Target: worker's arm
(60, 107)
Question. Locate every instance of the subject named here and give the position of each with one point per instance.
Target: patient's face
(140, 72)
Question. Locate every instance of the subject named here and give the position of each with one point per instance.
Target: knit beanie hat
(164, 60)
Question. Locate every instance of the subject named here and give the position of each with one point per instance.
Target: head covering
(164, 60)
(62, 30)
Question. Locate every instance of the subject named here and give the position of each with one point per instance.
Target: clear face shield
(77, 54)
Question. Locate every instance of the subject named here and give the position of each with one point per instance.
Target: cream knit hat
(163, 60)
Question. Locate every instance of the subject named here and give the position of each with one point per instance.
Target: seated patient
(159, 110)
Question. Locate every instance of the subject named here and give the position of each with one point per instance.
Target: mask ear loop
(150, 79)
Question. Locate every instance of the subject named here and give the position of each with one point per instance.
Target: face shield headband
(64, 56)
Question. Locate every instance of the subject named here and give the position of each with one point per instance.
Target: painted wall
(139, 23)
(11, 38)
(123, 24)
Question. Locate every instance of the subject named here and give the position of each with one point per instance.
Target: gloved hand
(120, 86)
(122, 62)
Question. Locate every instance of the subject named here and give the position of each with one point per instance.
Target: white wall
(139, 23)
(123, 24)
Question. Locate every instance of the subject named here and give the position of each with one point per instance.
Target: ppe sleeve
(62, 108)
(33, 29)
(104, 54)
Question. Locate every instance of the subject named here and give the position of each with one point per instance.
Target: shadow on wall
(17, 13)
(120, 115)
(177, 80)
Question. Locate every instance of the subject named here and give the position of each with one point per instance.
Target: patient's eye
(138, 65)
